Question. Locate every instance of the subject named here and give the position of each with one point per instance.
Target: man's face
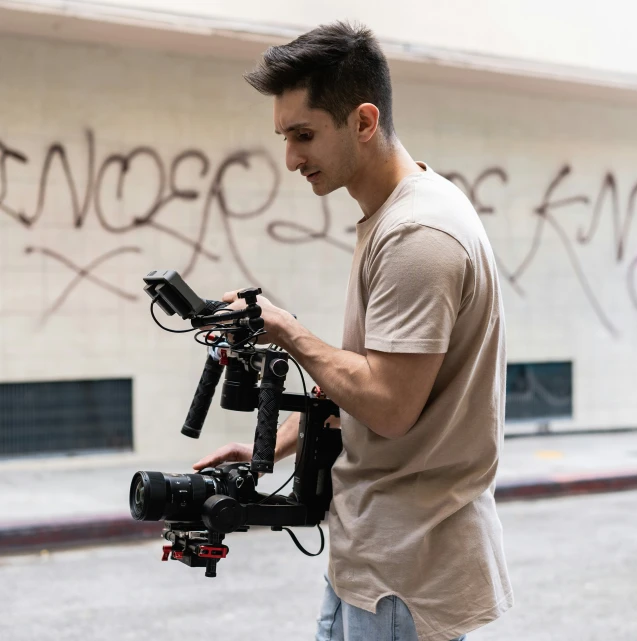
(325, 154)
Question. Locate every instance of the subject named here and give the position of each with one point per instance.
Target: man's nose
(293, 159)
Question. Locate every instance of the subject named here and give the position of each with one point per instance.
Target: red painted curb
(28, 537)
(565, 486)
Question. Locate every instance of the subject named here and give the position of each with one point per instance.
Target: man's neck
(378, 178)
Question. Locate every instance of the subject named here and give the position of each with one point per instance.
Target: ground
(573, 564)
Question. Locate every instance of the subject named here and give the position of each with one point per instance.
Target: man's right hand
(286, 438)
(231, 453)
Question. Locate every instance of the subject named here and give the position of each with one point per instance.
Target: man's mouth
(313, 177)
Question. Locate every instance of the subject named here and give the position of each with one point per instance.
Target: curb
(99, 530)
(558, 486)
(32, 537)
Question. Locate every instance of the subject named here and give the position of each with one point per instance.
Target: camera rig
(200, 509)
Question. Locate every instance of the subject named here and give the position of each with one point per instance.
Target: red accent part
(178, 555)
(224, 357)
(318, 392)
(167, 550)
(212, 552)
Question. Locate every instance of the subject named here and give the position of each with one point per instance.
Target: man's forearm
(286, 437)
(344, 376)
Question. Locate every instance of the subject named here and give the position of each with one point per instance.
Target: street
(573, 563)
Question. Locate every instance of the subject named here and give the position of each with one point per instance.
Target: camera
(200, 509)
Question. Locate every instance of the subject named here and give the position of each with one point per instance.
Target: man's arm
(288, 433)
(419, 279)
(385, 391)
(286, 437)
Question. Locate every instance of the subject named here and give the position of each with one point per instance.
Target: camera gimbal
(200, 509)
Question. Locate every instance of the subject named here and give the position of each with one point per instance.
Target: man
(415, 541)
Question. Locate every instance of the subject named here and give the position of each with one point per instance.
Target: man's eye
(300, 137)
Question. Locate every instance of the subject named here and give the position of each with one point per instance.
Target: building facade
(118, 159)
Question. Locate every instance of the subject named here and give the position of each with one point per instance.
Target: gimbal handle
(275, 369)
(203, 396)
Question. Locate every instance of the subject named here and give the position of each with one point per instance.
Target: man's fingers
(213, 459)
(229, 453)
(208, 461)
(230, 297)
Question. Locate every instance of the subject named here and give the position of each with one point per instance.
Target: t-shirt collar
(365, 224)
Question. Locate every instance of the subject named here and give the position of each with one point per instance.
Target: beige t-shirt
(415, 516)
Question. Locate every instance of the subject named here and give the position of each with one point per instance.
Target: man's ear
(367, 121)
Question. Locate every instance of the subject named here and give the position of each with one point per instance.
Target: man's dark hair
(341, 66)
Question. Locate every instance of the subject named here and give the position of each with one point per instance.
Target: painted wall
(114, 162)
(581, 33)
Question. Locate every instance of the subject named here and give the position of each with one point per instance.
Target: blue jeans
(339, 621)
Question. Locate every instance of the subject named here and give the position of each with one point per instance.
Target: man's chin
(322, 189)
(319, 190)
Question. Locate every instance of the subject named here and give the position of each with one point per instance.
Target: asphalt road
(573, 563)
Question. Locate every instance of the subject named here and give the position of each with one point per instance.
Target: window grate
(65, 416)
(539, 391)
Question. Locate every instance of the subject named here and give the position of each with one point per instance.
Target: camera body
(200, 509)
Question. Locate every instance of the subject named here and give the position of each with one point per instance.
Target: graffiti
(471, 189)
(82, 273)
(545, 214)
(631, 277)
(103, 187)
(472, 192)
(621, 228)
(167, 189)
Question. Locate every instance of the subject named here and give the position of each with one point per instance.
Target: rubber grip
(203, 396)
(265, 434)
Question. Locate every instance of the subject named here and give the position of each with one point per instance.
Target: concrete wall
(580, 33)
(535, 167)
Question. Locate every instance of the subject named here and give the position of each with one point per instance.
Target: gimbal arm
(199, 509)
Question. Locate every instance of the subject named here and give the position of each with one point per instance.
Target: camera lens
(139, 497)
(156, 496)
(147, 496)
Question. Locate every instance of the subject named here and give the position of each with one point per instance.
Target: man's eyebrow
(298, 125)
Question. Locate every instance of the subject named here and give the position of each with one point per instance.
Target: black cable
(298, 545)
(296, 541)
(206, 343)
(207, 332)
(256, 334)
(226, 329)
(277, 490)
(307, 400)
(217, 339)
(174, 331)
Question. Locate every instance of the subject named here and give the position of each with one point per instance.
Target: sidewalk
(54, 502)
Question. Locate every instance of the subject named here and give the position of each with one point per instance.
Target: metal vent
(65, 416)
(539, 391)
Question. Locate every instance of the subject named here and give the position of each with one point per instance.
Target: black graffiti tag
(545, 217)
(168, 189)
(109, 180)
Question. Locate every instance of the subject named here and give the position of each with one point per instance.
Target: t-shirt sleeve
(417, 277)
